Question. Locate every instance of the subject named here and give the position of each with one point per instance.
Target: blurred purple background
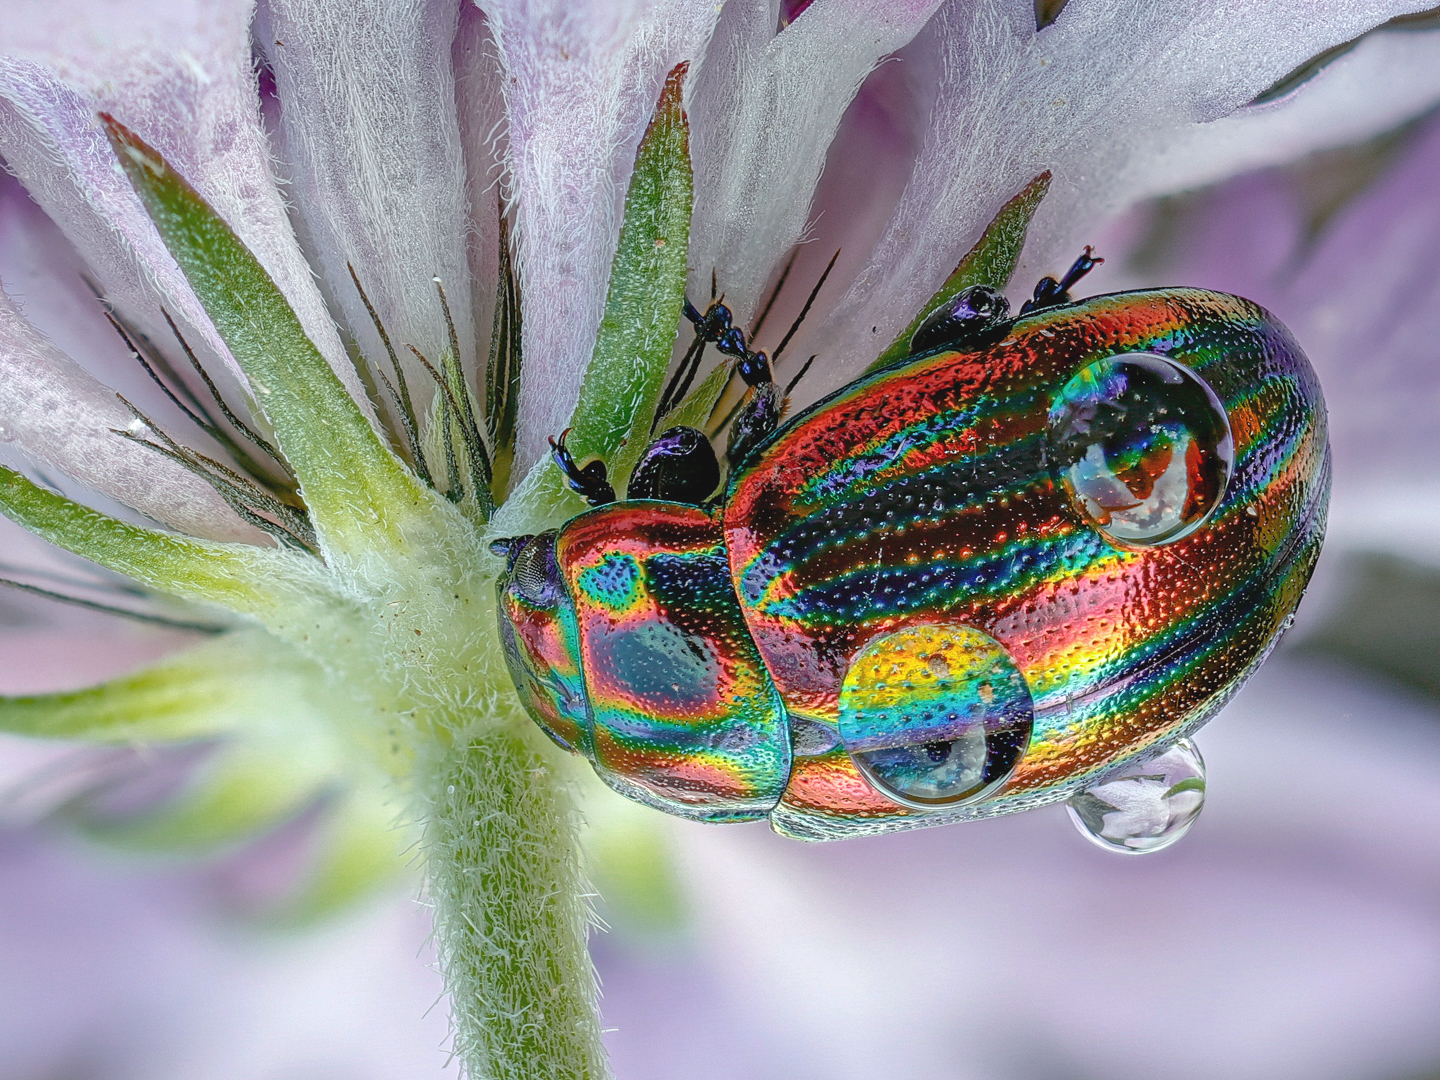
(1295, 933)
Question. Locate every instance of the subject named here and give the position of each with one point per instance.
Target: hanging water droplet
(1147, 807)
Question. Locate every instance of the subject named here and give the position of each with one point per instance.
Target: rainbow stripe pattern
(683, 714)
(927, 496)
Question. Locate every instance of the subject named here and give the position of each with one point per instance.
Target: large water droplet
(1142, 446)
(935, 715)
(1147, 807)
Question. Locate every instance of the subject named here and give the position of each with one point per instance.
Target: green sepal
(228, 683)
(647, 290)
(251, 580)
(990, 262)
(361, 845)
(352, 484)
(636, 338)
(247, 788)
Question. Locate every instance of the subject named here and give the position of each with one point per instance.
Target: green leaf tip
(352, 483)
(990, 262)
(647, 291)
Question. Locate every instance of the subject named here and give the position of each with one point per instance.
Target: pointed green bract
(647, 290)
(251, 580)
(637, 334)
(362, 849)
(236, 681)
(245, 789)
(990, 262)
(353, 485)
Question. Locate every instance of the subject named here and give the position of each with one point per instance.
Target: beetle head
(537, 630)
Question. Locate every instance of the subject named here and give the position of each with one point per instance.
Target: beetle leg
(1051, 293)
(758, 417)
(591, 482)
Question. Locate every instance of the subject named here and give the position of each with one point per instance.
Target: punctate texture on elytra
(994, 573)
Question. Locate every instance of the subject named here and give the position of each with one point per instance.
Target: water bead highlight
(1147, 807)
(1142, 446)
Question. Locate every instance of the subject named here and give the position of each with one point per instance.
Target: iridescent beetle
(978, 580)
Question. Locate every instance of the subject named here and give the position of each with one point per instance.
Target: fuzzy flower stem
(510, 910)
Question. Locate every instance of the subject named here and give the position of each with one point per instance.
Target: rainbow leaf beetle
(1029, 552)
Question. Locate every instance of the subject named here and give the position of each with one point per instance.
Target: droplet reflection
(935, 715)
(1146, 808)
(1143, 447)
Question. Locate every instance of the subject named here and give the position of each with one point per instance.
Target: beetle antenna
(1082, 266)
(775, 356)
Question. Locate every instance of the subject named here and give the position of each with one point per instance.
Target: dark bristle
(759, 323)
(502, 370)
(241, 493)
(679, 384)
(464, 420)
(800, 375)
(112, 609)
(402, 401)
(234, 421)
(775, 356)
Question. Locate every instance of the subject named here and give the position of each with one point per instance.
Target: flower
(397, 134)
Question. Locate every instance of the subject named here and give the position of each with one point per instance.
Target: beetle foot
(1051, 293)
(591, 483)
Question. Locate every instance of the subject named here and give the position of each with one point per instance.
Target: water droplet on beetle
(1143, 447)
(1145, 808)
(942, 742)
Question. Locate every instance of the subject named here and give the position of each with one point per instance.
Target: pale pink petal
(583, 79)
(1090, 97)
(480, 111)
(62, 417)
(179, 73)
(373, 160)
(764, 108)
(1389, 78)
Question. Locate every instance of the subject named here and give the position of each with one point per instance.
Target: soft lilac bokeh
(1293, 934)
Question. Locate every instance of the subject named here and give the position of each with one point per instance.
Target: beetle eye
(1142, 447)
(935, 716)
(535, 575)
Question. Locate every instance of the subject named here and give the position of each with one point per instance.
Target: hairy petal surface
(1087, 97)
(373, 154)
(583, 80)
(765, 108)
(181, 73)
(480, 117)
(62, 417)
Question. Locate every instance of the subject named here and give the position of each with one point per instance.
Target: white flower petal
(180, 74)
(764, 108)
(369, 136)
(62, 417)
(480, 111)
(1388, 79)
(583, 79)
(1096, 91)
